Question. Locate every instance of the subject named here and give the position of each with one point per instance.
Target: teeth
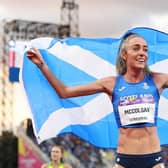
(140, 60)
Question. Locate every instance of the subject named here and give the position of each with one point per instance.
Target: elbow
(62, 94)
(65, 95)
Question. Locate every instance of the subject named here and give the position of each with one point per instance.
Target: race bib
(136, 113)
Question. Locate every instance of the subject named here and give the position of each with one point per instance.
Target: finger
(30, 53)
(36, 50)
(32, 50)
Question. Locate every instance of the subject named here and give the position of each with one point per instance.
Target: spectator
(57, 160)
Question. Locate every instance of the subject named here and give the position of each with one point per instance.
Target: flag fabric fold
(77, 61)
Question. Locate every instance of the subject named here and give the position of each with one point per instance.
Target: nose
(143, 53)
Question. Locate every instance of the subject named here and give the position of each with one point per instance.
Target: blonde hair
(121, 67)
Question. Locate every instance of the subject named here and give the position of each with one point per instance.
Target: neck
(55, 163)
(134, 77)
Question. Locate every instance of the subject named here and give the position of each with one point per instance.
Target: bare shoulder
(161, 80)
(108, 83)
(66, 165)
(109, 78)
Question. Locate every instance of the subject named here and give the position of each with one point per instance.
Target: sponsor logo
(158, 159)
(121, 88)
(118, 159)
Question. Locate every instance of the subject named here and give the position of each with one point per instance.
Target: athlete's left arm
(161, 80)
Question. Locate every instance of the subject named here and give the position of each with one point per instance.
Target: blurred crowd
(88, 155)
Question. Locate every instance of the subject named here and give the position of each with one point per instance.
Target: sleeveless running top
(135, 104)
(60, 166)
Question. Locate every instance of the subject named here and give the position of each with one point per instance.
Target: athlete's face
(56, 153)
(136, 53)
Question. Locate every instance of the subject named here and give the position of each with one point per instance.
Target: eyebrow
(139, 45)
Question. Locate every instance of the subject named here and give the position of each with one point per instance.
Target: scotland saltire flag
(77, 61)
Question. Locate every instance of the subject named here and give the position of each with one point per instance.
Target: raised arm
(161, 80)
(102, 85)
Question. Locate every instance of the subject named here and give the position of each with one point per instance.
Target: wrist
(39, 65)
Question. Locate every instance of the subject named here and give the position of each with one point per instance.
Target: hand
(34, 55)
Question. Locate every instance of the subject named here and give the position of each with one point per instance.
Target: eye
(135, 48)
(146, 49)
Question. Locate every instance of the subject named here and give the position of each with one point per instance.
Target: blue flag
(78, 61)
